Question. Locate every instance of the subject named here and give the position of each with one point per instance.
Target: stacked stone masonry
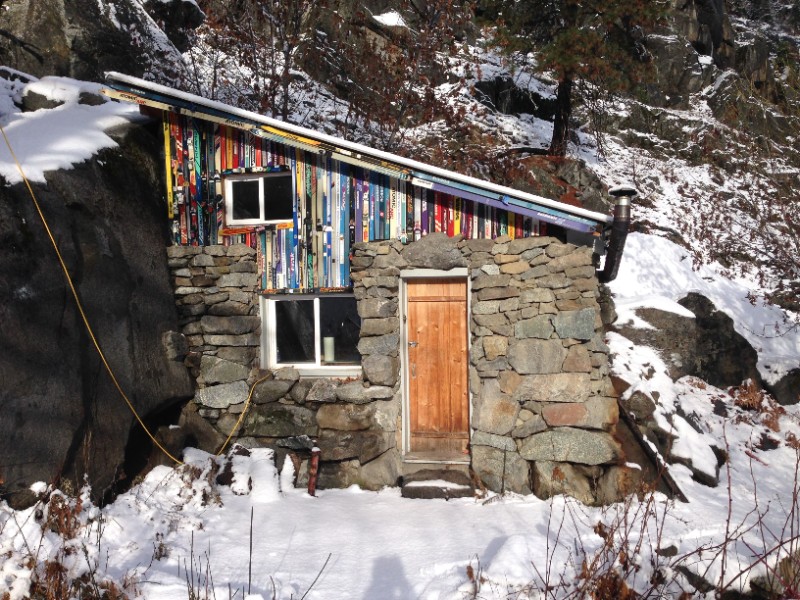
(543, 409)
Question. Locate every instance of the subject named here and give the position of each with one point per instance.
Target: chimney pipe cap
(624, 190)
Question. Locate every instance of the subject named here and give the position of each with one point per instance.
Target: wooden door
(437, 367)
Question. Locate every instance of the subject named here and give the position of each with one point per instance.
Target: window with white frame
(316, 334)
(258, 198)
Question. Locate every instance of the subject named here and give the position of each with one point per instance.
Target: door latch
(413, 344)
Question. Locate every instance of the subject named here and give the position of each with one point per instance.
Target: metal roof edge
(357, 151)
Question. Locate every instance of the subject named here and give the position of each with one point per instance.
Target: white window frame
(269, 353)
(260, 178)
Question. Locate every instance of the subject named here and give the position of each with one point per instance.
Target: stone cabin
(393, 314)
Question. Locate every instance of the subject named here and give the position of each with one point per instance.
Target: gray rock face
(357, 393)
(566, 444)
(556, 387)
(345, 417)
(578, 325)
(270, 390)
(381, 370)
(501, 442)
(215, 370)
(537, 327)
(381, 471)
(322, 390)
(338, 474)
(385, 345)
(787, 390)
(222, 396)
(435, 251)
(63, 415)
(494, 412)
(229, 325)
(595, 413)
(279, 420)
(706, 346)
(533, 425)
(537, 356)
(500, 470)
(76, 38)
(363, 445)
(617, 483)
(551, 478)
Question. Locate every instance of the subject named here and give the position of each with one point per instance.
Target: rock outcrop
(61, 414)
(84, 38)
(707, 346)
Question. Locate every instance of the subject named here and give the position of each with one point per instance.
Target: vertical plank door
(437, 367)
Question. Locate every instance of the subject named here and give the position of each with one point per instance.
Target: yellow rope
(91, 332)
(241, 417)
(80, 305)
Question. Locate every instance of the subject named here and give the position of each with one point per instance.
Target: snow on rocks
(655, 272)
(391, 18)
(65, 124)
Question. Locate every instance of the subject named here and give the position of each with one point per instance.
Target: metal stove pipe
(619, 231)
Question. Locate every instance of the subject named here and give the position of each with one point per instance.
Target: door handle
(413, 344)
(413, 370)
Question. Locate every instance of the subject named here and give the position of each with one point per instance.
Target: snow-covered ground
(179, 532)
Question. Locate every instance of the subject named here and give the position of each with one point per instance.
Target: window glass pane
(339, 329)
(278, 197)
(294, 331)
(245, 199)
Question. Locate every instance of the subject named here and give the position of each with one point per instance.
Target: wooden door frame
(461, 274)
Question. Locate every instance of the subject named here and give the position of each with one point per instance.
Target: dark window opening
(278, 197)
(254, 199)
(316, 331)
(339, 328)
(245, 199)
(294, 331)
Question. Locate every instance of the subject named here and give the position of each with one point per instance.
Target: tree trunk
(558, 143)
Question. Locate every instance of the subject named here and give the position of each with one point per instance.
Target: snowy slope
(178, 529)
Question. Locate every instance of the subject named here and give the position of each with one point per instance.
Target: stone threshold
(429, 484)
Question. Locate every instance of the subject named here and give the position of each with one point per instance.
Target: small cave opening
(142, 455)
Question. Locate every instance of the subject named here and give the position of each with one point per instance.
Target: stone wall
(216, 291)
(543, 410)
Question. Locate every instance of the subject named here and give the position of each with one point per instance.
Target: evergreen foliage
(594, 42)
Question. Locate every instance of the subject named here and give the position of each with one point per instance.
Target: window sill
(322, 371)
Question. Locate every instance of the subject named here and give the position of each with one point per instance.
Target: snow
(379, 545)
(655, 272)
(391, 18)
(180, 527)
(438, 483)
(51, 139)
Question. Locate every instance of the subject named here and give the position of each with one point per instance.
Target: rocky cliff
(61, 414)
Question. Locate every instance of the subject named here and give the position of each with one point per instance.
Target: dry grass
(760, 407)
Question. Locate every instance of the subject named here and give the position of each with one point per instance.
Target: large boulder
(85, 38)
(707, 346)
(62, 416)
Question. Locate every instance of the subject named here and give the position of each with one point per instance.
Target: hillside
(706, 298)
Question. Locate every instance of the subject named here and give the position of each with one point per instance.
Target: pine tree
(593, 41)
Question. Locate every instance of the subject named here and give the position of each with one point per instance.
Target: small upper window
(256, 199)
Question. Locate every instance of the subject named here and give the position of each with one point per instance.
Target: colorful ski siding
(335, 205)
